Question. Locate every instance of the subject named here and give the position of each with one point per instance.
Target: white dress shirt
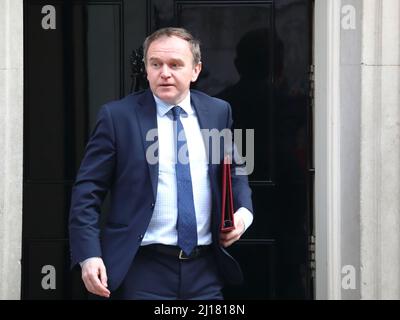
(162, 227)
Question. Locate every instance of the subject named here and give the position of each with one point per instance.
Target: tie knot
(176, 112)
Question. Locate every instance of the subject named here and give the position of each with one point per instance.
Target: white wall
(11, 146)
(380, 150)
(357, 140)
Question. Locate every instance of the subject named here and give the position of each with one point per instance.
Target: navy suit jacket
(115, 161)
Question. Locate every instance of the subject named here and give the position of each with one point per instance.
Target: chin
(171, 99)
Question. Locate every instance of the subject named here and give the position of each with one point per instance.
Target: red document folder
(227, 215)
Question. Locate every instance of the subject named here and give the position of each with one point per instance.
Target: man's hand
(226, 239)
(95, 277)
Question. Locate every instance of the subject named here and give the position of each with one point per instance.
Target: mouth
(166, 85)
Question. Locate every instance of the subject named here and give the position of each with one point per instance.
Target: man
(161, 238)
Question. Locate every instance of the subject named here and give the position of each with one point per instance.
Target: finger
(98, 287)
(86, 279)
(229, 239)
(227, 244)
(229, 235)
(103, 276)
(224, 236)
(88, 284)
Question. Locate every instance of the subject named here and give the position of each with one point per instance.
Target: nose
(165, 72)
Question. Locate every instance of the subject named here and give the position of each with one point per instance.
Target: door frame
(327, 135)
(11, 146)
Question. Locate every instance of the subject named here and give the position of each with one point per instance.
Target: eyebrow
(176, 60)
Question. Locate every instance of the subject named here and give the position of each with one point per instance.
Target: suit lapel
(202, 112)
(207, 121)
(147, 115)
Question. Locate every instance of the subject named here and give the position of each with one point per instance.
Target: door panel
(105, 71)
(256, 55)
(69, 72)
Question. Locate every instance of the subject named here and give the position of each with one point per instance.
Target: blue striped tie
(186, 226)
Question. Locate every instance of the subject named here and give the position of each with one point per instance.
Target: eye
(175, 65)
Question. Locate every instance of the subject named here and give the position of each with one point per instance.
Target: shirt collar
(163, 107)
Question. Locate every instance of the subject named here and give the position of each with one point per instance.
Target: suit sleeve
(240, 184)
(92, 183)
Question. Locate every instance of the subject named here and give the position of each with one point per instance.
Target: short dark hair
(177, 32)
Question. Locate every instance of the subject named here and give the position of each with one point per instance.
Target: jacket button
(140, 238)
(153, 205)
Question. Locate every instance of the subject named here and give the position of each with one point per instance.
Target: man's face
(170, 69)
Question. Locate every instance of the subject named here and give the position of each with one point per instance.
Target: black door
(256, 55)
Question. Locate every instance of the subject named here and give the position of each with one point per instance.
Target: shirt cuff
(246, 215)
(87, 260)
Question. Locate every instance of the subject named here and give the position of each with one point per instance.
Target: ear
(196, 71)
